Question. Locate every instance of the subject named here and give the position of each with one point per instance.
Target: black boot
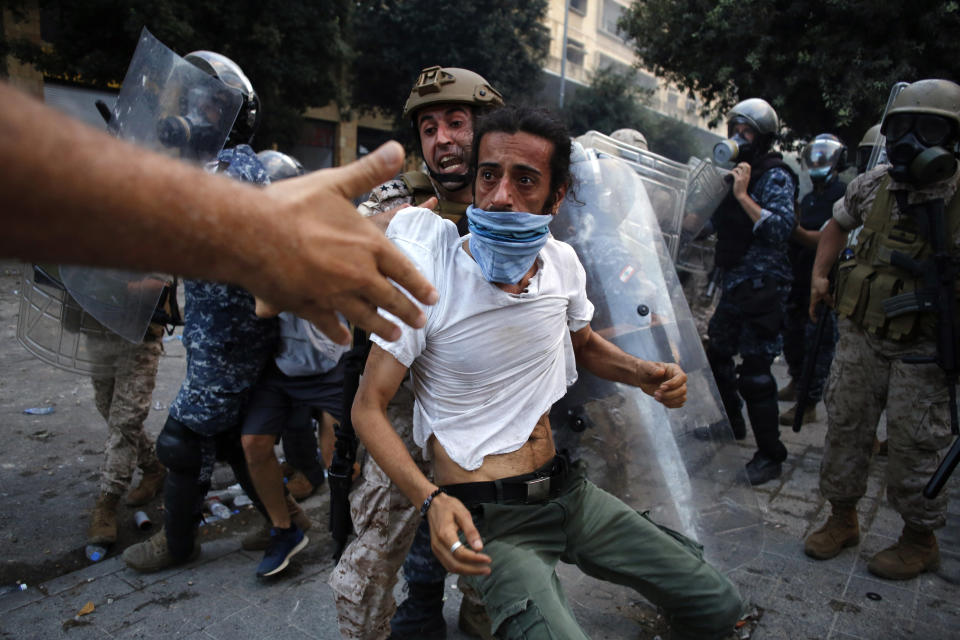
(762, 469)
(420, 616)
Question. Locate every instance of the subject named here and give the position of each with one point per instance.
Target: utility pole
(563, 51)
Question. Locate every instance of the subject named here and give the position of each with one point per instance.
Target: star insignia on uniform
(395, 185)
(384, 188)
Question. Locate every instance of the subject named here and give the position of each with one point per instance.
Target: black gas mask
(917, 148)
(193, 132)
(736, 148)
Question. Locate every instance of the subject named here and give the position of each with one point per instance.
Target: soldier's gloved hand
(322, 256)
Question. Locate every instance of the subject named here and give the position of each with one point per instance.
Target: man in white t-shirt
(498, 349)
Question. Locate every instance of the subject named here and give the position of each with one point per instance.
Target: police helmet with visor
(229, 73)
(824, 155)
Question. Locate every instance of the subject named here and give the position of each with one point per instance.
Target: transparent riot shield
(56, 329)
(879, 153)
(166, 105)
(634, 447)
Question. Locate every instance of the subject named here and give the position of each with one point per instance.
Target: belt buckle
(538, 490)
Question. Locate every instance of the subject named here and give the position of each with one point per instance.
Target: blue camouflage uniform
(227, 347)
(755, 284)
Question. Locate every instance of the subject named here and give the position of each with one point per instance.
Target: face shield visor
(821, 157)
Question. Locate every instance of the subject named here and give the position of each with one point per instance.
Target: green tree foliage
(293, 51)
(824, 65)
(614, 101)
(505, 41)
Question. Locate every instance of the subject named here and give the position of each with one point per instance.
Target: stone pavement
(219, 597)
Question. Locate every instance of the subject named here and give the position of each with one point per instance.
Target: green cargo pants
(608, 540)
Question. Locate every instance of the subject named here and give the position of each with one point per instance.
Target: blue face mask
(505, 244)
(821, 174)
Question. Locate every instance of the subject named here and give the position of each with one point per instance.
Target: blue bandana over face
(505, 243)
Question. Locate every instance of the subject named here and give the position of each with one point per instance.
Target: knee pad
(756, 381)
(178, 448)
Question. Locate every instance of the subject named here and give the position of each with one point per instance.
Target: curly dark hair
(539, 122)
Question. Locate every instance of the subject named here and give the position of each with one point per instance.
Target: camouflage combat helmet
(935, 97)
(631, 137)
(871, 137)
(442, 85)
(229, 73)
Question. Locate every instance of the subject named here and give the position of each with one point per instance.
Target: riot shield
(879, 153)
(634, 447)
(166, 105)
(55, 328)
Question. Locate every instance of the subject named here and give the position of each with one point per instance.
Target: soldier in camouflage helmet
(227, 347)
(442, 107)
(889, 203)
(753, 225)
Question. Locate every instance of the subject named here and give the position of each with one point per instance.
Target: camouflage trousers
(868, 377)
(124, 402)
(385, 523)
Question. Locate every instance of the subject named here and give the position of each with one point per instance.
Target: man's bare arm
(664, 381)
(72, 194)
(832, 239)
(381, 377)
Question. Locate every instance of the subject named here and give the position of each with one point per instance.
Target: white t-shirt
(488, 363)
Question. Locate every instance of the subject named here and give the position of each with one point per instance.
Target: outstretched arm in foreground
(447, 515)
(665, 381)
(72, 194)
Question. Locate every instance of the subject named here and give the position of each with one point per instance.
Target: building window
(575, 52)
(609, 16)
(579, 6)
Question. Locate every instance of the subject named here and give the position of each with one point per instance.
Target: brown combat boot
(103, 520)
(840, 531)
(150, 484)
(259, 539)
(299, 487)
(915, 552)
(789, 392)
(809, 415)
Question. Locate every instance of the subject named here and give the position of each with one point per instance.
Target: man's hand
(322, 256)
(819, 291)
(447, 517)
(666, 382)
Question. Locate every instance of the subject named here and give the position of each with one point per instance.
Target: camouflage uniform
(227, 347)
(123, 400)
(798, 331)
(868, 377)
(750, 312)
(384, 521)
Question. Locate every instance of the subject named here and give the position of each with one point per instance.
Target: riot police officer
(227, 347)
(753, 225)
(824, 158)
(893, 203)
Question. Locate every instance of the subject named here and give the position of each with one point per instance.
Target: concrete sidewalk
(219, 597)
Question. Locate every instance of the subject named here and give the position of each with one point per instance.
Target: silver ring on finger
(456, 545)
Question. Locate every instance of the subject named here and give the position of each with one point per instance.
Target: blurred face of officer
(744, 130)
(446, 132)
(513, 174)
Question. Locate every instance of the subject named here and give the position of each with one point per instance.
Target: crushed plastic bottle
(241, 501)
(39, 411)
(218, 509)
(95, 553)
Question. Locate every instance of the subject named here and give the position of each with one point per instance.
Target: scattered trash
(158, 406)
(143, 520)
(9, 588)
(218, 509)
(172, 338)
(109, 600)
(95, 553)
(873, 595)
(189, 583)
(86, 609)
(39, 411)
(242, 501)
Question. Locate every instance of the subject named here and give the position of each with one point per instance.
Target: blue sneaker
(284, 543)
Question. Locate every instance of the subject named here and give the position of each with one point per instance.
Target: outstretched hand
(665, 381)
(448, 517)
(328, 258)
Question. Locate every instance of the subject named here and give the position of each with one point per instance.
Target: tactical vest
(734, 227)
(420, 187)
(864, 282)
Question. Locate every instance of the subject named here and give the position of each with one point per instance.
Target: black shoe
(762, 469)
(420, 616)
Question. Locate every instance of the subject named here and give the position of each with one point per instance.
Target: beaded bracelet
(426, 503)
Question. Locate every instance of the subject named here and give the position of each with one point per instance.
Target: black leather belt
(529, 488)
